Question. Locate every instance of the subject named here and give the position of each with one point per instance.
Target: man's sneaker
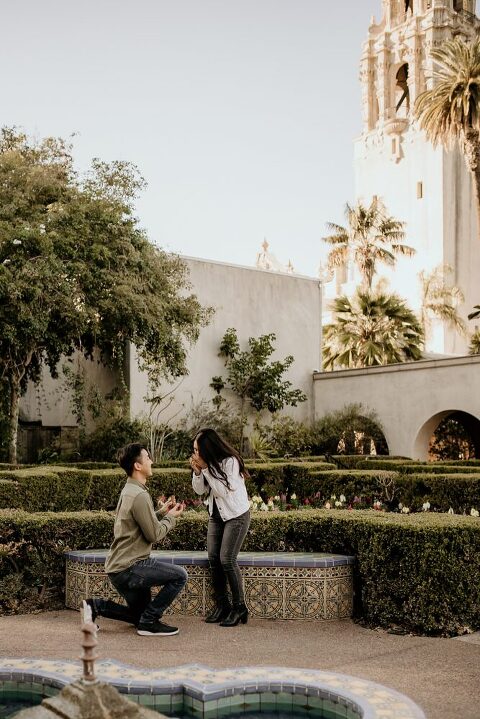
(156, 629)
(93, 607)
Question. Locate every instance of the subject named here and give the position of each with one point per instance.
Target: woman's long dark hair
(213, 450)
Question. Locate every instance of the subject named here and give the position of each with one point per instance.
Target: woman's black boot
(238, 614)
(220, 612)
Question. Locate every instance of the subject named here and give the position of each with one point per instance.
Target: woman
(219, 471)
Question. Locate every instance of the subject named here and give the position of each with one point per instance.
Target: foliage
(103, 443)
(225, 419)
(371, 236)
(77, 272)
(253, 377)
(287, 436)
(371, 329)
(450, 111)
(440, 299)
(419, 572)
(351, 430)
(451, 441)
(474, 346)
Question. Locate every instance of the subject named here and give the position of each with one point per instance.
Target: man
(129, 566)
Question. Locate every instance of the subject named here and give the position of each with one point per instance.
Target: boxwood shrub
(420, 572)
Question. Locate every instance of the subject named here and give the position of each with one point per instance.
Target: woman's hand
(197, 464)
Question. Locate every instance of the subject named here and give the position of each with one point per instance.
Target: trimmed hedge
(55, 488)
(419, 572)
(412, 467)
(459, 491)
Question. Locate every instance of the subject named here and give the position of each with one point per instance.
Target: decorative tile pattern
(277, 585)
(206, 692)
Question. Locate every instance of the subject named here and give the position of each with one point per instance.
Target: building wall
(254, 302)
(410, 399)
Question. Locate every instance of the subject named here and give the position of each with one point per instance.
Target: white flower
(450, 511)
(474, 512)
(276, 498)
(293, 496)
(377, 504)
(205, 501)
(328, 505)
(405, 510)
(337, 503)
(343, 498)
(270, 503)
(334, 496)
(400, 506)
(264, 507)
(426, 506)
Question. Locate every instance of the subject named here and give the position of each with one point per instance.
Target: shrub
(419, 572)
(287, 436)
(104, 442)
(351, 430)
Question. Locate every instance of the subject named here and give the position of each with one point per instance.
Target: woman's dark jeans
(134, 585)
(224, 540)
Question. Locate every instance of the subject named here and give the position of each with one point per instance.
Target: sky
(239, 114)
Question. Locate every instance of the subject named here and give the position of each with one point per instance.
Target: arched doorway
(452, 434)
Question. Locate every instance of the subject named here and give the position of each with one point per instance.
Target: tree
(451, 441)
(78, 273)
(449, 112)
(253, 378)
(440, 299)
(371, 329)
(371, 236)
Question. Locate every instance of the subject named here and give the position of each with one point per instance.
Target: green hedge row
(420, 572)
(461, 492)
(418, 467)
(55, 488)
(60, 489)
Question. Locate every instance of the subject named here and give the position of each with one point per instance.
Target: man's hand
(164, 505)
(177, 510)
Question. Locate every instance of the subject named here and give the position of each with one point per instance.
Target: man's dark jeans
(134, 585)
(224, 540)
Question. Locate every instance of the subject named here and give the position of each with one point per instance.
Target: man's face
(143, 465)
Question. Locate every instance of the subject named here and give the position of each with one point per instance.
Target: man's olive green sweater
(137, 526)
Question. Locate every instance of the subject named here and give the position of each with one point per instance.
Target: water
(8, 709)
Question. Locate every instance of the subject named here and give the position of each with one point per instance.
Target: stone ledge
(278, 585)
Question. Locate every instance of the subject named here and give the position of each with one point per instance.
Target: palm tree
(474, 347)
(371, 236)
(451, 110)
(372, 328)
(440, 299)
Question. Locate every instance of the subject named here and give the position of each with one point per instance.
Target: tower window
(419, 190)
(402, 92)
(408, 5)
(457, 5)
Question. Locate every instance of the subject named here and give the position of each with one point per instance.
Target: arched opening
(452, 434)
(402, 92)
(457, 5)
(456, 437)
(408, 5)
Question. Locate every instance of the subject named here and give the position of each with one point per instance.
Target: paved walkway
(441, 675)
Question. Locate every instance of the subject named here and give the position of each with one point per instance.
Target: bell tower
(430, 190)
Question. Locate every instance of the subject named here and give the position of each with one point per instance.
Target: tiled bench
(278, 585)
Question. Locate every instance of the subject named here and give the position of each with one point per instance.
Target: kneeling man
(129, 566)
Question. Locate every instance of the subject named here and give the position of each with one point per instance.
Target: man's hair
(128, 455)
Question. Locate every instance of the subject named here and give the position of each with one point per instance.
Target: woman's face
(195, 449)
